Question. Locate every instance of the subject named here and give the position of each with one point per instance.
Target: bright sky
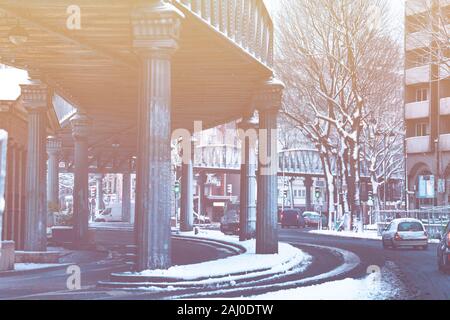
(9, 83)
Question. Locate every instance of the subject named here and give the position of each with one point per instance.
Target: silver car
(405, 233)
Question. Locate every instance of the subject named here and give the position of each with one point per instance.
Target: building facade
(427, 102)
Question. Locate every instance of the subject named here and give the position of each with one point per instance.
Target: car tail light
(397, 237)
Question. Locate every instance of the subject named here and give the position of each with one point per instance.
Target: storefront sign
(426, 187)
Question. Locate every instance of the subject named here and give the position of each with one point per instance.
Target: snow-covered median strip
(350, 262)
(244, 263)
(34, 266)
(233, 268)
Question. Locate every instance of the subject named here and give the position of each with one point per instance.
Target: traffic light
(230, 189)
(318, 194)
(176, 188)
(285, 193)
(370, 198)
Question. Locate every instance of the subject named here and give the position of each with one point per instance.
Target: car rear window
(410, 226)
(311, 215)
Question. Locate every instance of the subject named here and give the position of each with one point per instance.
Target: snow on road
(348, 289)
(369, 288)
(383, 284)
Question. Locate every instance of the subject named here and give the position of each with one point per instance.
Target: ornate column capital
(34, 96)
(248, 123)
(156, 27)
(80, 126)
(269, 97)
(54, 145)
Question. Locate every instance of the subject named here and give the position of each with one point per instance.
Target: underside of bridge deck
(96, 67)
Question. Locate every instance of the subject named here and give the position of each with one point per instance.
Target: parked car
(292, 218)
(405, 233)
(312, 219)
(229, 224)
(443, 250)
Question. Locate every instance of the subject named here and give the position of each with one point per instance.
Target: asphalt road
(94, 266)
(415, 270)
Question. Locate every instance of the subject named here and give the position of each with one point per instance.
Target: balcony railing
(417, 110)
(445, 106)
(418, 75)
(245, 22)
(418, 144)
(416, 40)
(444, 142)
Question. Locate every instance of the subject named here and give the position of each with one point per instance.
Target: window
(422, 129)
(410, 227)
(421, 94)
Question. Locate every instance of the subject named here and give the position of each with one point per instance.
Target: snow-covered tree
(337, 58)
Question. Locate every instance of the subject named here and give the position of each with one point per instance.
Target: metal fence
(434, 219)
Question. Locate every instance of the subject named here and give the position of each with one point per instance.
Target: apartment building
(427, 102)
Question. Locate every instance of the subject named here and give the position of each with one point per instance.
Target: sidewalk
(367, 234)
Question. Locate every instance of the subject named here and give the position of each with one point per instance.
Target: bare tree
(336, 61)
(289, 137)
(383, 151)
